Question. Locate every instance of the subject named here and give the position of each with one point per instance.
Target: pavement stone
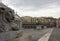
(55, 36)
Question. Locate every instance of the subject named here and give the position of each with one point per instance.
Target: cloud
(0, 0)
(34, 3)
(35, 7)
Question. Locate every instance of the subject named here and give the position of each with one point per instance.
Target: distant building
(26, 19)
(58, 23)
(43, 20)
(18, 21)
(29, 25)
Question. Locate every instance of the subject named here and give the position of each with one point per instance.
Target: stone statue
(6, 19)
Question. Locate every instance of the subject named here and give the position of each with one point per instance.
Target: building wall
(26, 19)
(58, 23)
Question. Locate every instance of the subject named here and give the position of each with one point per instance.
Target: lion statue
(7, 19)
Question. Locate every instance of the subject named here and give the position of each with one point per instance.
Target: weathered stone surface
(8, 28)
(7, 19)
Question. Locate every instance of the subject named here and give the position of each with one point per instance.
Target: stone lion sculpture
(7, 19)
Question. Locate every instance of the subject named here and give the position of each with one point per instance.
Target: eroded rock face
(6, 19)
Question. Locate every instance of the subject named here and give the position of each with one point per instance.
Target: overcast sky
(35, 8)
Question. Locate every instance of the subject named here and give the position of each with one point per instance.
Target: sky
(0, 0)
(35, 8)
